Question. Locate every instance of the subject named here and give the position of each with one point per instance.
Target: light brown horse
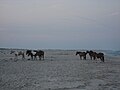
(81, 54)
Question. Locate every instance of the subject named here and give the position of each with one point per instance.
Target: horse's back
(100, 54)
(41, 52)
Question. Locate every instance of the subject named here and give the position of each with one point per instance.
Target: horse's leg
(43, 57)
(102, 58)
(85, 57)
(39, 57)
(23, 57)
(80, 57)
(94, 57)
(16, 57)
(32, 57)
(90, 57)
(35, 57)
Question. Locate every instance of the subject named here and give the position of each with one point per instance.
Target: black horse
(82, 54)
(39, 53)
(35, 53)
(29, 53)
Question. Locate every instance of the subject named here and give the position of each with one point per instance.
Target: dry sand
(61, 70)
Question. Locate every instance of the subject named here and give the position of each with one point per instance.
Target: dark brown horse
(82, 54)
(94, 55)
(35, 53)
(100, 56)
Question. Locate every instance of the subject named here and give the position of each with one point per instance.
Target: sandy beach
(61, 70)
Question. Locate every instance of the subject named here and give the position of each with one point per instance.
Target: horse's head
(87, 51)
(28, 52)
(90, 52)
(77, 53)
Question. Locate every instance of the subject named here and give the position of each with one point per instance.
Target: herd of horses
(34, 53)
(93, 55)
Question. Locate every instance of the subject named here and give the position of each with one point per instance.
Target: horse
(39, 53)
(82, 54)
(35, 53)
(92, 54)
(18, 54)
(30, 53)
(100, 56)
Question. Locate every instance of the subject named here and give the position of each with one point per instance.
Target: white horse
(18, 54)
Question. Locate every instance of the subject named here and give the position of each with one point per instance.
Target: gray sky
(60, 24)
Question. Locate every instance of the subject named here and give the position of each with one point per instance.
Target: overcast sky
(60, 24)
